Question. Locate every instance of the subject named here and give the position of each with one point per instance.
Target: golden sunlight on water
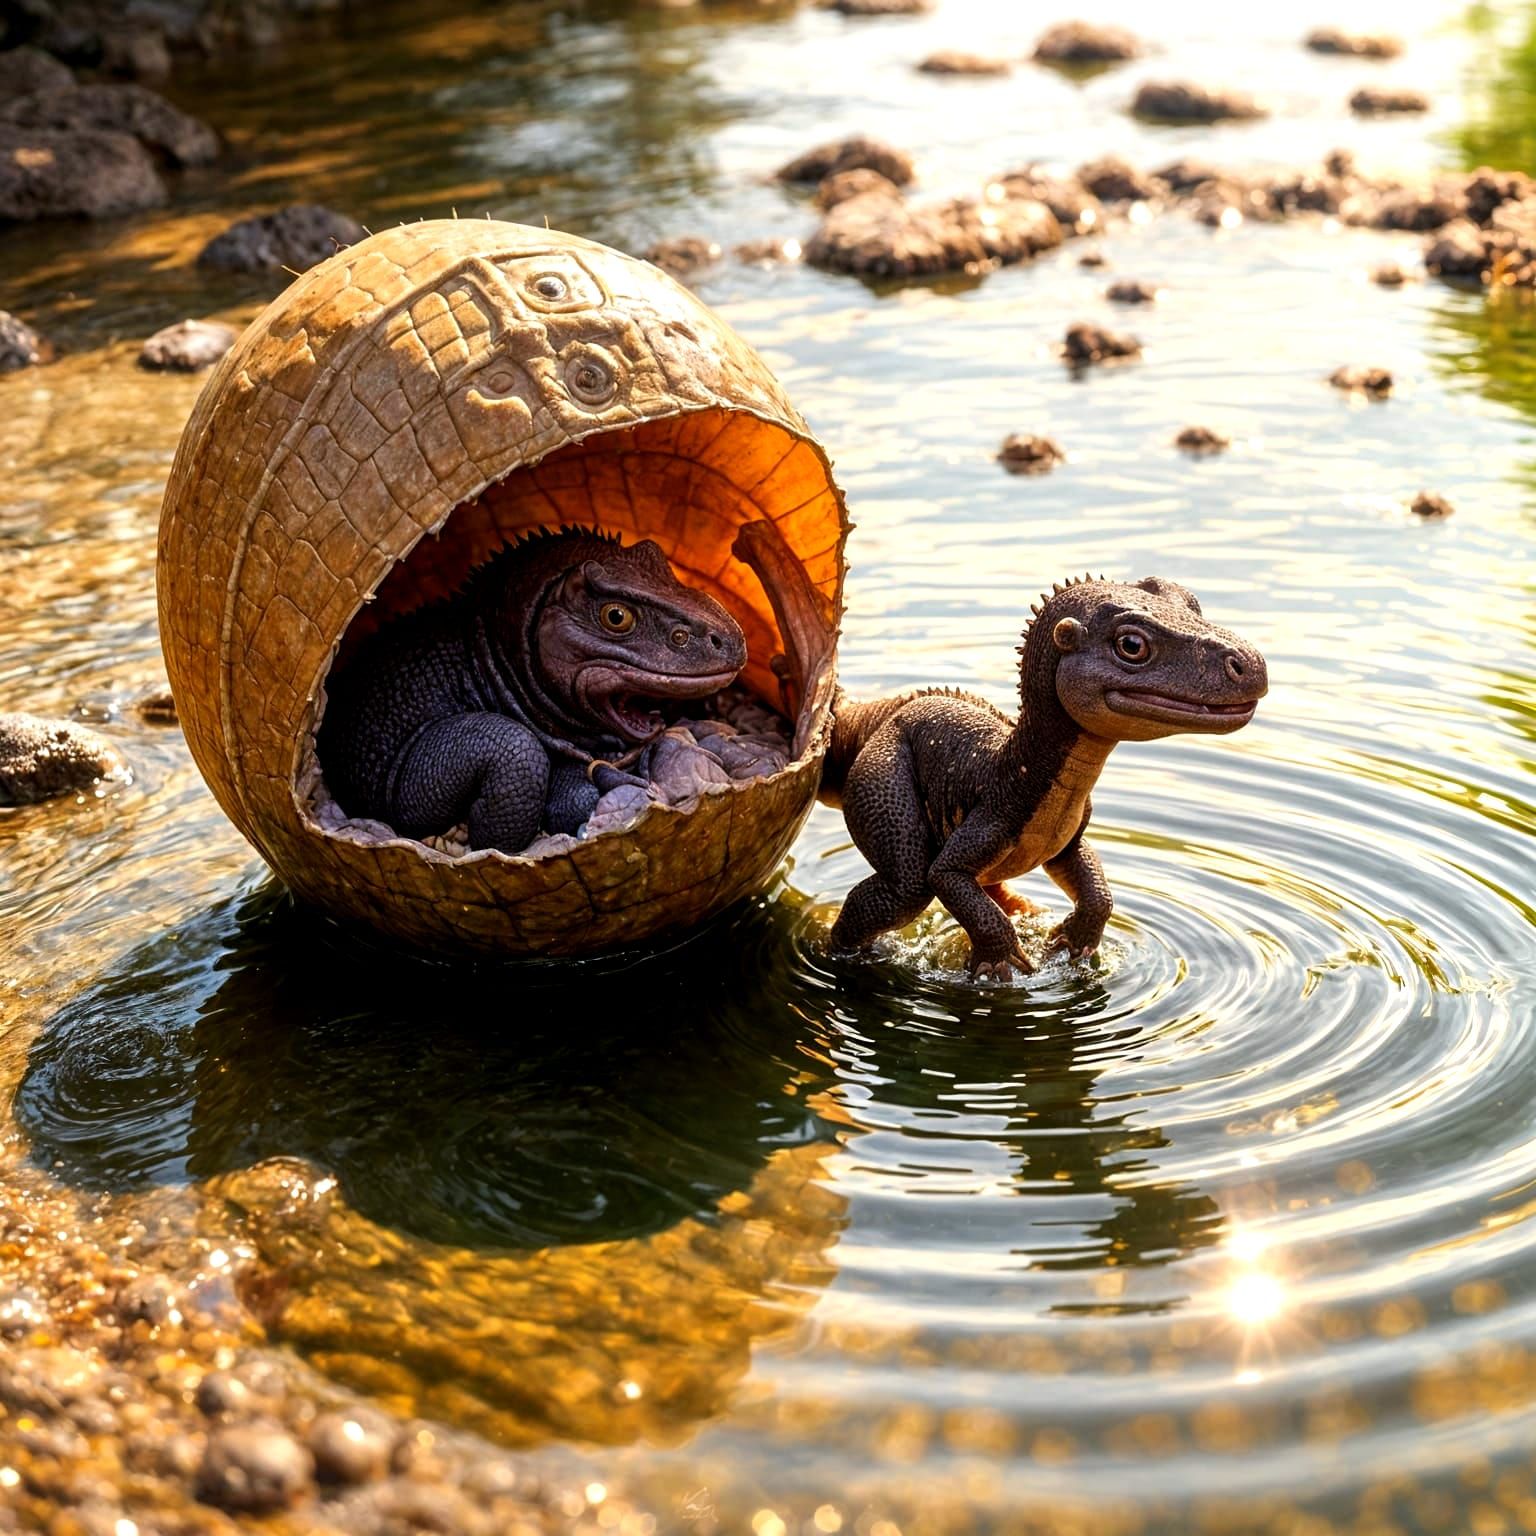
(1228, 1230)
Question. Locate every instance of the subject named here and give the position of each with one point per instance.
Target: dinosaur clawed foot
(1001, 970)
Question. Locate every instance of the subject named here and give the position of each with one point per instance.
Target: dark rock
(1081, 42)
(1202, 440)
(1228, 201)
(1085, 343)
(1460, 250)
(1375, 382)
(40, 759)
(768, 252)
(950, 61)
(1023, 454)
(49, 1380)
(130, 109)
(350, 1447)
(49, 173)
(884, 237)
(1177, 101)
(1298, 192)
(20, 345)
(683, 257)
(188, 346)
(1428, 505)
(294, 238)
(1388, 274)
(1116, 181)
(26, 70)
(1487, 190)
(252, 1469)
(1130, 291)
(1093, 257)
(841, 185)
(1339, 162)
(852, 154)
(1358, 45)
(1379, 101)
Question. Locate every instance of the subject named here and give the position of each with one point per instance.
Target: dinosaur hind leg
(1011, 903)
(482, 767)
(875, 906)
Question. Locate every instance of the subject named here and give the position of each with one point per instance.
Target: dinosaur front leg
(1076, 869)
(955, 879)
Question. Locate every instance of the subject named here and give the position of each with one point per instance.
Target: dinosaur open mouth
(632, 703)
(1189, 713)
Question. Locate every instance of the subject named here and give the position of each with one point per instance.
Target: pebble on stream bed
(1131, 291)
(1084, 42)
(1086, 344)
(20, 345)
(1023, 453)
(1357, 45)
(1202, 440)
(187, 347)
(1361, 379)
(684, 257)
(950, 61)
(1430, 506)
(1382, 101)
(1179, 101)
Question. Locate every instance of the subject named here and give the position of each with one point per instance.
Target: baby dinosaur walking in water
(947, 797)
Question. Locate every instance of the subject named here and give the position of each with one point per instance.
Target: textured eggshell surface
(403, 410)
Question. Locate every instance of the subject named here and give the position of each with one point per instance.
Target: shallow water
(1235, 1219)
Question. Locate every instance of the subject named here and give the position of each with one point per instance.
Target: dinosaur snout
(1246, 669)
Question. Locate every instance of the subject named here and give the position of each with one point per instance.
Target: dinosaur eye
(1132, 646)
(680, 637)
(616, 618)
(550, 286)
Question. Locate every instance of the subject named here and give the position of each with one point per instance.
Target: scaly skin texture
(513, 704)
(947, 797)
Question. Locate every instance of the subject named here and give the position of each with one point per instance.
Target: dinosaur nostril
(716, 641)
(1235, 666)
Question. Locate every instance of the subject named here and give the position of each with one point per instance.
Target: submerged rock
(1178, 101)
(20, 345)
(1358, 45)
(1085, 343)
(1358, 379)
(130, 109)
(1082, 42)
(1381, 100)
(188, 346)
(951, 61)
(767, 252)
(1428, 505)
(55, 173)
(884, 237)
(255, 1469)
(41, 759)
(1093, 257)
(685, 256)
(1025, 454)
(1202, 440)
(857, 153)
(1130, 291)
(296, 237)
(1388, 274)
(26, 70)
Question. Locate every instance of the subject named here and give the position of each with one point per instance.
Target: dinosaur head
(1133, 661)
(617, 633)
